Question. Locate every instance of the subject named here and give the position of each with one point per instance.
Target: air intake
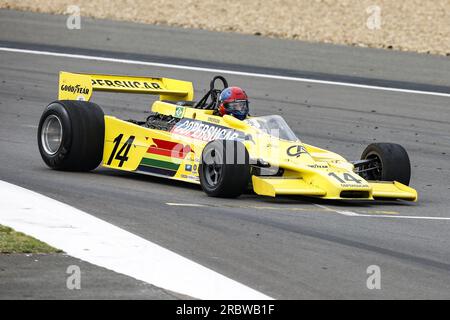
(355, 194)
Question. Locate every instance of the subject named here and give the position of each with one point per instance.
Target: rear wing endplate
(80, 86)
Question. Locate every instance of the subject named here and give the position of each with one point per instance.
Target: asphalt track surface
(289, 247)
(44, 276)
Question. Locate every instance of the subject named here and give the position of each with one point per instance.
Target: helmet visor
(238, 105)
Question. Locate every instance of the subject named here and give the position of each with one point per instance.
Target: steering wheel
(213, 94)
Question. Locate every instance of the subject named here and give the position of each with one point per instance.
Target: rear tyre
(71, 135)
(224, 169)
(390, 163)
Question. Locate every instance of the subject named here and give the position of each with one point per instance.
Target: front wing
(273, 186)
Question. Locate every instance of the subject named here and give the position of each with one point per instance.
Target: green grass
(17, 242)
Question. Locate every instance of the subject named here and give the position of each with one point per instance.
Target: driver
(233, 101)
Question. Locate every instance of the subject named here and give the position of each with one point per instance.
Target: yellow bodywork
(306, 171)
(79, 86)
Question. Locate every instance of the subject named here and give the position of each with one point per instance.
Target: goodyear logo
(74, 89)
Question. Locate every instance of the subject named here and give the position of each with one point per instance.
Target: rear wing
(80, 86)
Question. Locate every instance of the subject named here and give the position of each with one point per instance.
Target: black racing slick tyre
(71, 135)
(224, 169)
(391, 162)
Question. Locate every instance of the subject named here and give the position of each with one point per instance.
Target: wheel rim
(51, 134)
(213, 167)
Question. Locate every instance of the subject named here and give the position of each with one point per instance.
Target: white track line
(238, 73)
(354, 214)
(405, 217)
(93, 240)
(343, 212)
(184, 204)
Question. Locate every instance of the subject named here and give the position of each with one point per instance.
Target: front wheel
(224, 169)
(388, 162)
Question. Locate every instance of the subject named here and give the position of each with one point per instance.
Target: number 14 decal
(122, 155)
(346, 177)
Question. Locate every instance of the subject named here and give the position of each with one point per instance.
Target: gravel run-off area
(409, 25)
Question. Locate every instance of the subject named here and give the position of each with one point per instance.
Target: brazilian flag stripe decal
(160, 164)
(158, 171)
(163, 157)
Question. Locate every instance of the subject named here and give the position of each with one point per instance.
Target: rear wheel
(71, 135)
(389, 162)
(224, 169)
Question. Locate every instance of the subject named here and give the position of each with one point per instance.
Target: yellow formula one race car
(190, 141)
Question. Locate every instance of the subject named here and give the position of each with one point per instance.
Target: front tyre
(71, 135)
(224, 169)
(389, 162)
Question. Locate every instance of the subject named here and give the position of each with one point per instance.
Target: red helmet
(233, 101)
